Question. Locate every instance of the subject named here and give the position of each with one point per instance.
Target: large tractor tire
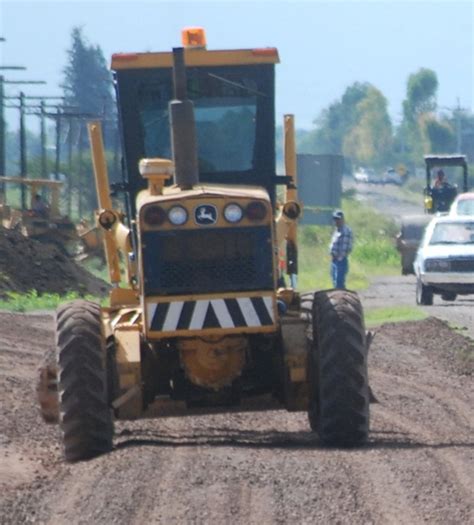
(339, 402)
(85, 415)
(424, 294)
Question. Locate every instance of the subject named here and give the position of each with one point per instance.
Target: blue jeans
(339, 271)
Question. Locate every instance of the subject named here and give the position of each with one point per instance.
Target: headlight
(154, 215)
(177, 215)
(256, 211)
(233, 213)
(437, 265)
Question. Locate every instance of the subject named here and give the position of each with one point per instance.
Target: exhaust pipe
(183, 127)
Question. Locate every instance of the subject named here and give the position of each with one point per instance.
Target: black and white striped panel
(210, 313)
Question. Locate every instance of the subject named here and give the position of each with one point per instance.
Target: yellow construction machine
(202, 326)
(42, 220)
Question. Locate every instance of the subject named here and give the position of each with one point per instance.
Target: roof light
(193, 37)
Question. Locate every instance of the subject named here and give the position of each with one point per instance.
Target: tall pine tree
(88, 83)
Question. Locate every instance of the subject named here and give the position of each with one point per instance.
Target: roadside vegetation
(397, 314)
(374, 250)
(31, 301)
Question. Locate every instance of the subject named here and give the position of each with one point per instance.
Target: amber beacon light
(193, 37)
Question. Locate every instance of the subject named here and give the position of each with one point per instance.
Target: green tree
(438, 136)
(420, 101)
(88, 83)
(335, 122)
(369, 141)
(421, 93)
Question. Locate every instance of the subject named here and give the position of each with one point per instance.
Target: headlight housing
(233, 213)
(437, 265)
(177, 215)
(256, 211)
(154, 215)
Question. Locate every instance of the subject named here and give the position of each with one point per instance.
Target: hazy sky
(324, 46)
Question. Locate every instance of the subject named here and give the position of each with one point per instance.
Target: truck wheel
(424, 294)
(85, 415)
(339, 399)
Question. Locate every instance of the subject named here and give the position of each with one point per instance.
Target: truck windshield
(235, 122)
(225, 107)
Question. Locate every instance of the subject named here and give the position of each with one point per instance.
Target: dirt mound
(26, 264)
(435, 335)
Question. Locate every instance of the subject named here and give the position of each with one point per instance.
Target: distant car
(444, 263)
(361, 175)
(391, 176)
(463, 204)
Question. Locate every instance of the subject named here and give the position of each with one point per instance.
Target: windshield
(453, 233)
(465, 207)
(225, 109)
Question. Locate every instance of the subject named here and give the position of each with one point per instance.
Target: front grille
(450, 265)
(207, 260)
(462, 265)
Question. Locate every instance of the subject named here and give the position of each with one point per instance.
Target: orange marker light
(193, 37)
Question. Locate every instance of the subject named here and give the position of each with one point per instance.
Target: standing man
(340, 248)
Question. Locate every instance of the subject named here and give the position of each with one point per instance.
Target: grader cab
(202, 325)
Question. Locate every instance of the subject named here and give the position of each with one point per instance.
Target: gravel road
(253, 468)
(260, 468)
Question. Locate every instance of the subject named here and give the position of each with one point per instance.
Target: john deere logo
(205, 214)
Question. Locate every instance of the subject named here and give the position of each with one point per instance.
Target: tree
(357, 126)
(88, 89)
(369, 141)
(421, 93)
(439, 136)
(88, 82)
(335, 122)
(420, 101)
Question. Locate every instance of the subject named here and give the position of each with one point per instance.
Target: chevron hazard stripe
(210, 313)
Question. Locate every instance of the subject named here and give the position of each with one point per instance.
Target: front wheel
(339, 399)
(424, 294)
(85, 414)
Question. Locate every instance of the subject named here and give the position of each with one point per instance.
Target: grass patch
(27, 302)
(396, 314)
(374, 250)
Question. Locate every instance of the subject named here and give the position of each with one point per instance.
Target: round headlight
(177, 215)
(154, 215)
(256, 211)
(233, 213)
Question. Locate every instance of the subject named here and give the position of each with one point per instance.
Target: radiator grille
(207, 260)
(462, 265)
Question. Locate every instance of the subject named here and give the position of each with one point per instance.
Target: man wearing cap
(340, 248)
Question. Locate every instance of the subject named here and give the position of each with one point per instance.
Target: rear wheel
(86, 417)
(339, 400)
(424, 294)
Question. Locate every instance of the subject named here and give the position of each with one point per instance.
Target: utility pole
(23, 166)
(458, 127)
(2, 116)
(2, 119)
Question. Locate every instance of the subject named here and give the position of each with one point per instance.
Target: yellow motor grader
(202, 326)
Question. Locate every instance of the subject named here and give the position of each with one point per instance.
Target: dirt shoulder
(261, 467)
